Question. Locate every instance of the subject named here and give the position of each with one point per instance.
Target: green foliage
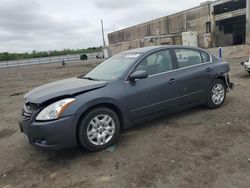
(5, 56)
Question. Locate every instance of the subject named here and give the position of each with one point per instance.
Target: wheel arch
(111, 106)
(222, 77)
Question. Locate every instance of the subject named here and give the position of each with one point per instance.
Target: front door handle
(209, 69)
(172, 81)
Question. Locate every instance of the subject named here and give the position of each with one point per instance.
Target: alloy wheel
(101, 129)
(218, 93)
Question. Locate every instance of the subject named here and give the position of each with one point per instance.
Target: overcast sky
(27, 25)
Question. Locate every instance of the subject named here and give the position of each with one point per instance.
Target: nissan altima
(127, 89)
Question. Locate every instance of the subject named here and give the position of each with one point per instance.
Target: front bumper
(57, 134)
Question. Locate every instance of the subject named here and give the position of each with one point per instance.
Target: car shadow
(167, 118)
(63, 154)
(67, 155)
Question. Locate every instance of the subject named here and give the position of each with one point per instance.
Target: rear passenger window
(205, 57)
(188, 57)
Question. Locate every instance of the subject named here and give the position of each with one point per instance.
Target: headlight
(55, 110)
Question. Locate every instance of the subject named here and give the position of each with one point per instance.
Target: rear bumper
(56, 134)
(229, 83)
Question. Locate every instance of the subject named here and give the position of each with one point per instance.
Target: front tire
(98, 129)
(217, 94)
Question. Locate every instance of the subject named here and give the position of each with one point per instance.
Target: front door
(160, 91)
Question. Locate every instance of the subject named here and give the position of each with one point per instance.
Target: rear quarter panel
(220, 68)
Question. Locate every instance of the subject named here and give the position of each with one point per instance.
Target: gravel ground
(194, 148)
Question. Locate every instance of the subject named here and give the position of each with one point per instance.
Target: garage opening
(230, 6)
(231, 31)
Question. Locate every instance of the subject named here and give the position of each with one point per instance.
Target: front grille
(26, 115)
(28, 110)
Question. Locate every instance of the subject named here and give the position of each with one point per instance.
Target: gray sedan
(127, 89)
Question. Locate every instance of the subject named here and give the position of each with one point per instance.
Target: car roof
(153, 48)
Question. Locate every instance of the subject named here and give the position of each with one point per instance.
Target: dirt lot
(195, 148)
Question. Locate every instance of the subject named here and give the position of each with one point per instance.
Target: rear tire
(98, 129)
(217, 94)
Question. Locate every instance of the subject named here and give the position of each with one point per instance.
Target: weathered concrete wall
(191, 20)
(196, 21)
(163, 31)
(176, 23)
(229, 52)
(123, 46)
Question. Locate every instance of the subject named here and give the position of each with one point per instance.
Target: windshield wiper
(89, 78)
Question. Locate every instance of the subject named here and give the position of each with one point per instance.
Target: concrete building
(213, 24)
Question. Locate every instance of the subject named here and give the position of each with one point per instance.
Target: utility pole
(103, 34)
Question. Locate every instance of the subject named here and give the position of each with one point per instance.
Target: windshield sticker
(132, 55)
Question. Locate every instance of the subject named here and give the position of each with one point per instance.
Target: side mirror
(138, 75)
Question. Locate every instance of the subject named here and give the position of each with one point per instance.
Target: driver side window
(156, 63)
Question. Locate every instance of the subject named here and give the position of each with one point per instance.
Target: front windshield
(112, 68)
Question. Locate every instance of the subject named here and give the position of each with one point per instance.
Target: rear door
(195, 69)
(160, 91)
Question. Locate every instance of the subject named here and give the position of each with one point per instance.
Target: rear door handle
(172, 81)
(209, 69)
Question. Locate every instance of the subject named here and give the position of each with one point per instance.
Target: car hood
(61, 88)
